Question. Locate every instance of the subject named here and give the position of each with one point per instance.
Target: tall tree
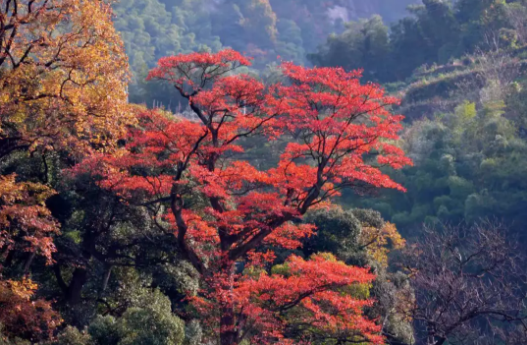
(223, 210)
(63, 75)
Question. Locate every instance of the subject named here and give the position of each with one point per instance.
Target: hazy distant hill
(264, 29)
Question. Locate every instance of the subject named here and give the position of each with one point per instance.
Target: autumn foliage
(63, 75)
(63, 79)
(26, 227)
(315, 296)
(223, 210)
(25, 223)
(220, 225)
(23, 315)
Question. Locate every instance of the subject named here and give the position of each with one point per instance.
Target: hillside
(435, 69)
(264, 29)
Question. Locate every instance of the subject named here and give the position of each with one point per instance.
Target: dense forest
(266, 30)
(202, 172)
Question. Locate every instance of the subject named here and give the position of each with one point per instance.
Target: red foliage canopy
(306, 297)
(339, 134)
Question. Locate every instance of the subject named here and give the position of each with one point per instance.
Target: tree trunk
(106, 278)
(74, 293)
(28, 263)
(80, 275)
(228, 329)
(228, 333)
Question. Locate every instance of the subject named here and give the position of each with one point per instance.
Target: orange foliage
(25, 317)
(340, 135)
(25, 222)
(63, 74)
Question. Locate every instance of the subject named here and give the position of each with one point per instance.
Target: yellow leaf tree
(379, 241)
(63, 75)
(63, 80)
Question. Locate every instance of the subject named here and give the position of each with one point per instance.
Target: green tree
(363, 45)
(149, 321)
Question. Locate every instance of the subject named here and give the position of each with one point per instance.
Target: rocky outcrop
(357, 9)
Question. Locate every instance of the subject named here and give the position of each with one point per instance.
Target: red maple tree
(223, 210)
